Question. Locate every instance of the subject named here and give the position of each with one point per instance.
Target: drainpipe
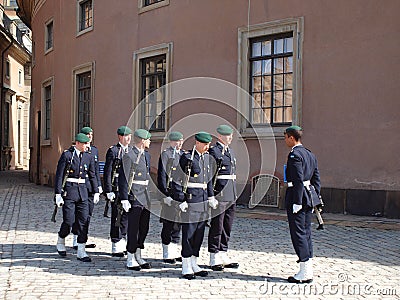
(2, 100)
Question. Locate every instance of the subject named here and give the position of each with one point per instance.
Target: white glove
(212, 202)
(168, 201)
(126, 205)
(111, 196)
(183, 206)
(59, 200)
(100, 190)
(96, 198)
(297, 208)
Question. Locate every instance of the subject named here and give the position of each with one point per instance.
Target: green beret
(293, 128)
(142, 133)
(86, 130)
(175, 136)
(81, 137)
(203, 137)
(124, 130)
(224, 130)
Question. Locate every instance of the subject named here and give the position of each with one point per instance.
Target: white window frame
(47, 82)
(162, 49)
(80, 32)
(294, 25)
(47, 50)
(87, 67)
(142, 8)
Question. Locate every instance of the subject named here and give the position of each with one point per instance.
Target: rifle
(318, 211)
(188, 170)
(130, 182)
(115, 167)
(65, 177)
(169, 167)
(219, 167)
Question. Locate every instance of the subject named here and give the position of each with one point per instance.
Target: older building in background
(16, 48)
(328, 66)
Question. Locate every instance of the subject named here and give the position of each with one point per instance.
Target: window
(85, 15)
(150, 2)
(84, 95)
(47, 111)
(270, 57)
(271, 79)
(49, 36)
(153, 76)
(7, 69)
(47, 95)
(146, 5)
(20, 75)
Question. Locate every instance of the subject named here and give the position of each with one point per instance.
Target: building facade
(15, 47)
(328, 66)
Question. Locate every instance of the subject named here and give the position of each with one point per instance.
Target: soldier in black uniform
(167, 164)
(111, 168)
(74, 197)
(301, 173)
(225, 191)
(95, 153)
(194, 202)
(133, 181)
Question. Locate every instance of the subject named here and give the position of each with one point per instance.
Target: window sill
(82, 32)
(262, 133)
(48, 50)
(143, 9)
(45, 143)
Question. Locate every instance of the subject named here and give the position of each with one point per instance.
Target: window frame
(245, 35)
(79, 18)
(144, 8)
(48, 49)
(7, 71)
(77, 71)
(144, 53)
(49, 82)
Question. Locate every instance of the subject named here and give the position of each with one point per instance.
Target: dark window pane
(256, 49)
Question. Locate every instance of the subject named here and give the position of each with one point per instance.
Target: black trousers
(75, 213)
(220, 229)
(300, 232)
(90, 203)
(138, 227)
(170, 232)
(192, 233)
(117, 233)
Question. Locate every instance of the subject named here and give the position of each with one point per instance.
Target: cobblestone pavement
(351, 262)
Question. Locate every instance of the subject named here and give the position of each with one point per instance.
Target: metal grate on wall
(264, 191)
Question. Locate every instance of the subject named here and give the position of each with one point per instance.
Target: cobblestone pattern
(350, 262)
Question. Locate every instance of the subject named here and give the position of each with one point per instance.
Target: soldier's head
(141, 138)
(124, 135)
(293, 135)
(82, 142)
(176, 139)
(89, 132)
(203, 140)
(225, 134)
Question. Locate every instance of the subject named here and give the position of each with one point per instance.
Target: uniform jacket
(83, 168)
(301, 166)
(112, 154)
(202, 172)
(138, 194)
(225, 189)
(162, 172)
(95, 153)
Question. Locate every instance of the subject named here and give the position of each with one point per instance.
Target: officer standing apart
(111, 172)
(225, 191)
(301, 172)
(92, 150)
(167, 164)
(133, 181)
(74, 200)
(195, 192)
